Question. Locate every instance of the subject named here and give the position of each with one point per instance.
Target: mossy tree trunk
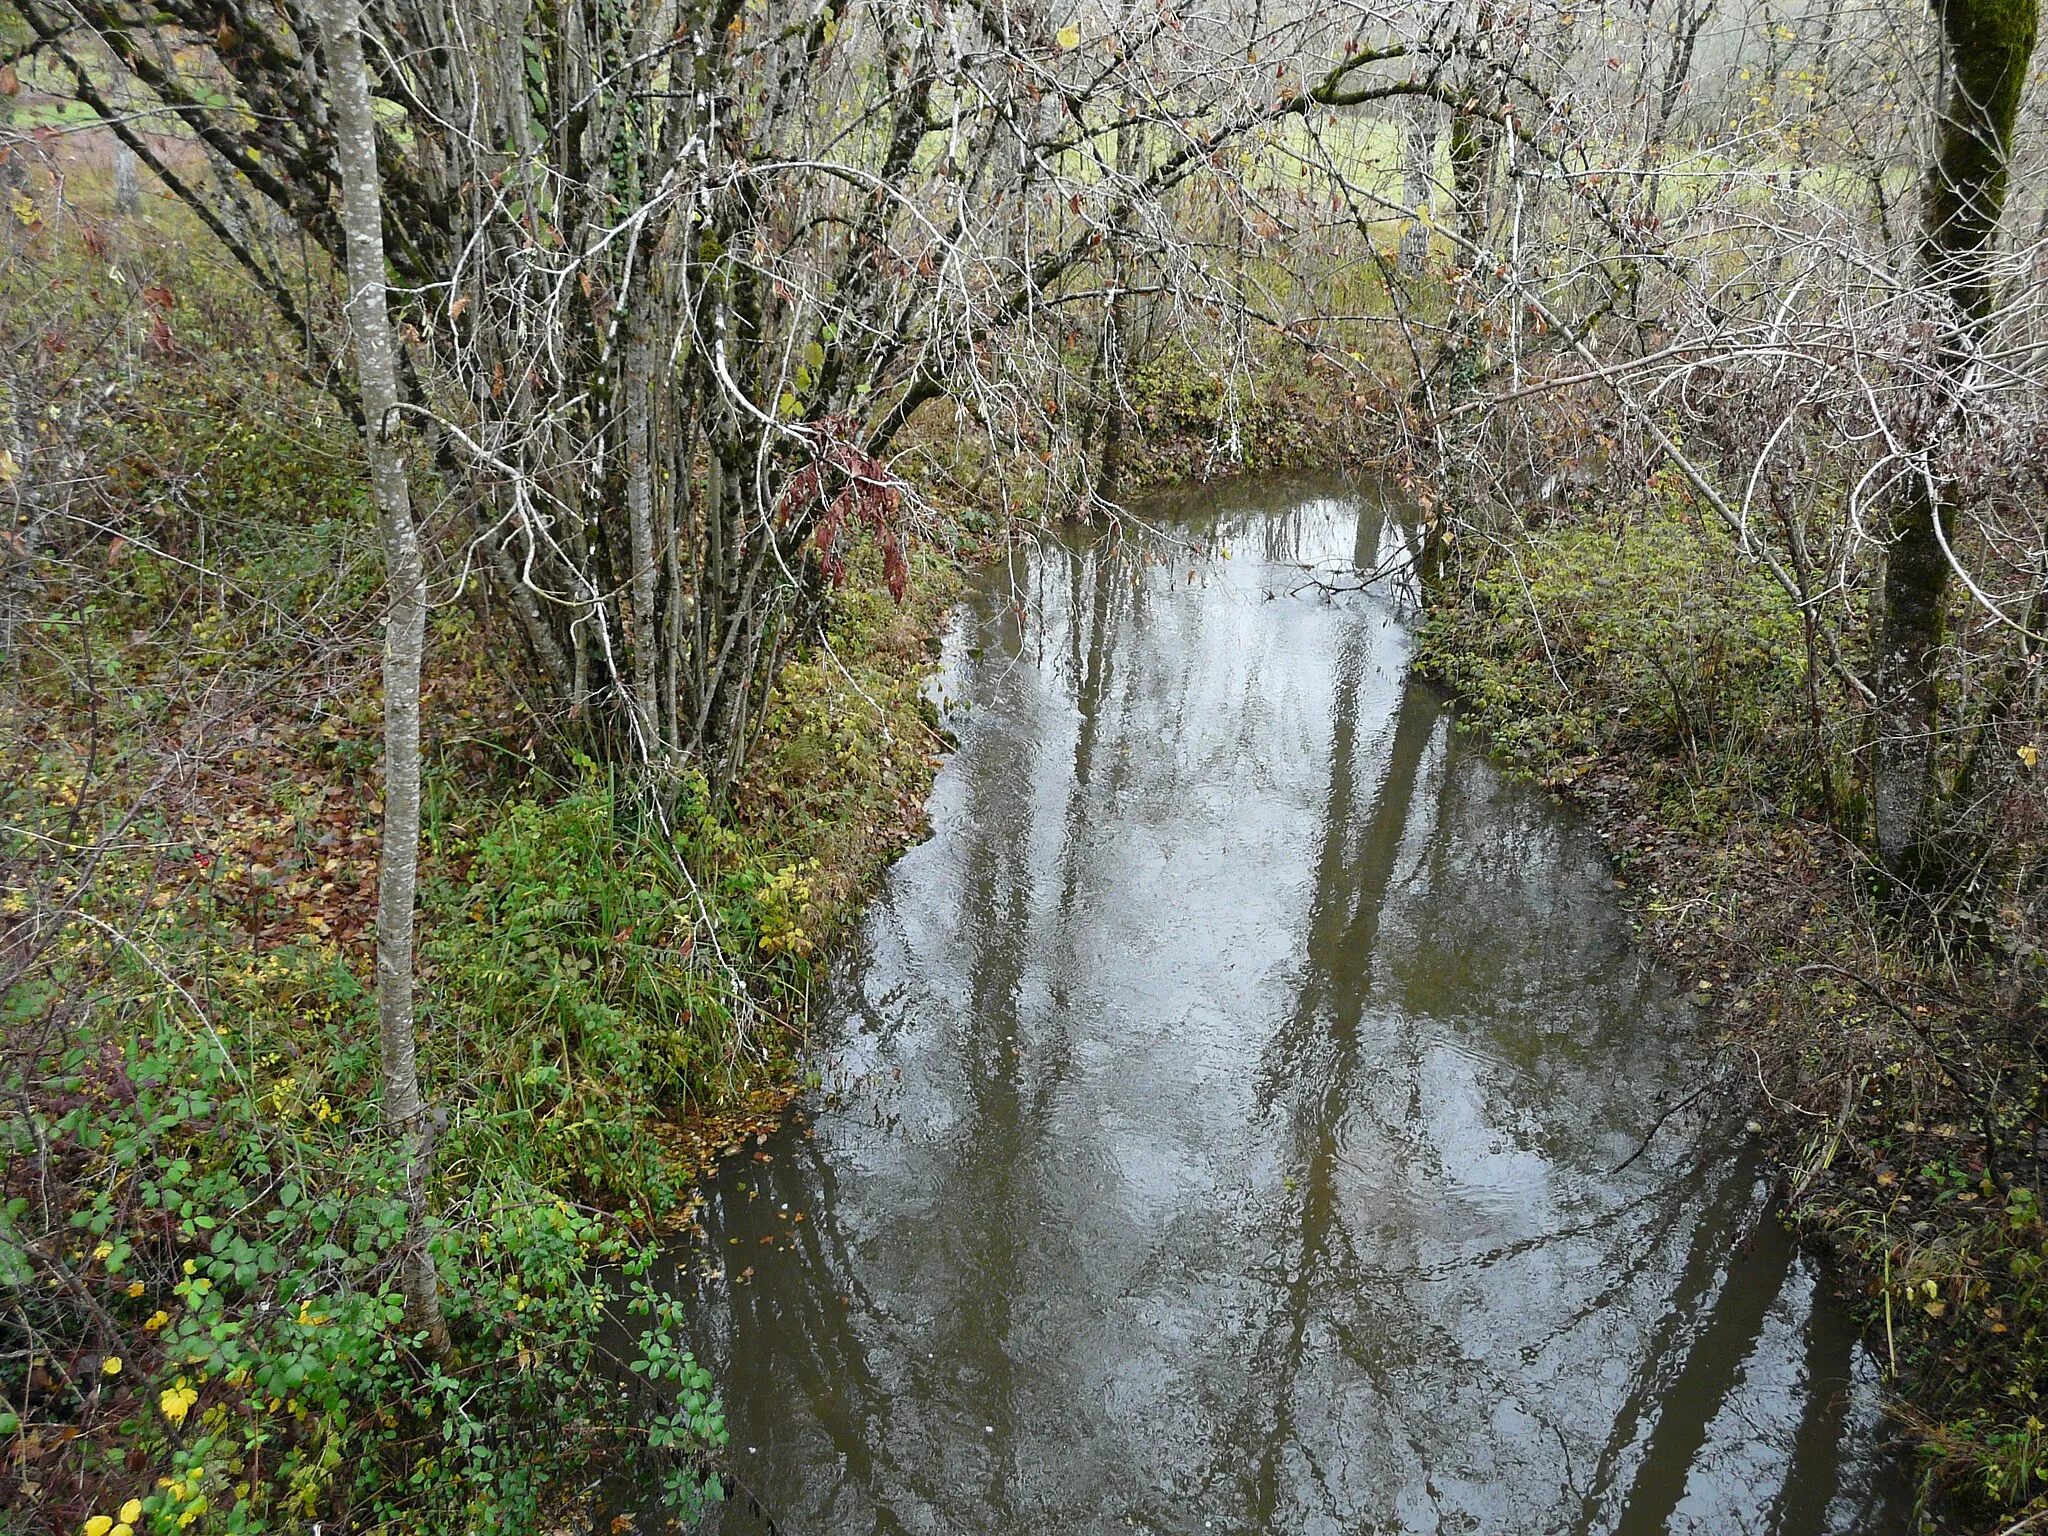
(1475, 145)
(1987, 45)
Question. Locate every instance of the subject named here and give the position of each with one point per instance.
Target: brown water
(1223, 1109)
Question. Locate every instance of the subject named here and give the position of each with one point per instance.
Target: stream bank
(1633, 664)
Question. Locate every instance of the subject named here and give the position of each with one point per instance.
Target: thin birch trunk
(637, 378)
(1117, 341)
(127, 184)
(404, 640)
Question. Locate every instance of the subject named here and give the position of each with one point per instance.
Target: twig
(1774, 1100)
(1658, 1124)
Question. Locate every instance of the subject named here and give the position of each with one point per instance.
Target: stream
(1222, 1113)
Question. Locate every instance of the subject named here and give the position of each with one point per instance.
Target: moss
(1989, 44)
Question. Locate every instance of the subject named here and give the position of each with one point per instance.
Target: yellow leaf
(131, 1511)
(1069, 37)
(2030, 755)
(111, 1366)
(98, 1525)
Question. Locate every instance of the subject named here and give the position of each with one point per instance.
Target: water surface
(1224, 1109)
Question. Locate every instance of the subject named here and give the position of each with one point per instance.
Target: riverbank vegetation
(1627, 654)
(202, 1218)
(484, 480)
(1763, 592)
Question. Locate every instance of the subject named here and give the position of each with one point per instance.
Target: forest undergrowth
(202, 1210)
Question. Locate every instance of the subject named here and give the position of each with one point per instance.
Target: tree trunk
(1475, 142)
(127, 186)
(1987, 44)
(653, 734)
(404, 640)
(1418, 170)
(1475, 147)
(1117, 318)
(1685, 35)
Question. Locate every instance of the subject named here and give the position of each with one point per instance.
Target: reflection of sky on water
(1228, 1094)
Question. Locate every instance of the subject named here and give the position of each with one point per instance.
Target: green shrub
(220, 1304)
(583, 985)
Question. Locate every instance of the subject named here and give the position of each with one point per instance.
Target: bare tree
(680, 278)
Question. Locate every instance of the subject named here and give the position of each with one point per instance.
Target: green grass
(1641, 626)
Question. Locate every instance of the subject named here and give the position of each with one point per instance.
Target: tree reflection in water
(1227, 1098)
